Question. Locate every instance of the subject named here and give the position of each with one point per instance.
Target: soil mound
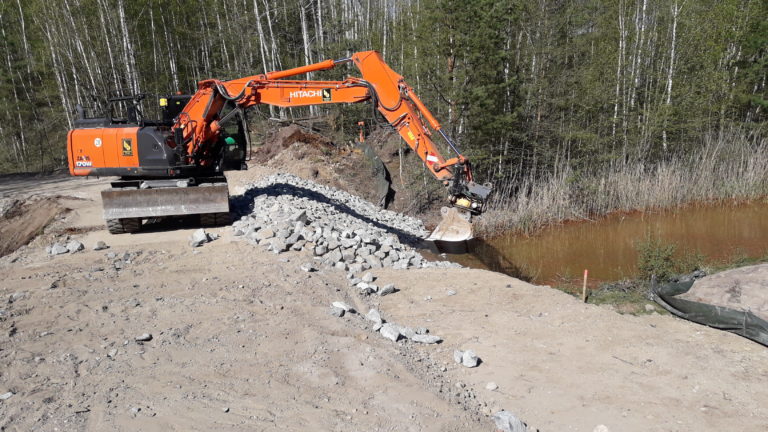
(21, 221)
(312, 156)
(286, 137)
(743, 289)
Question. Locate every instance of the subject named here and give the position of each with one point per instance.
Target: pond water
(608, 247)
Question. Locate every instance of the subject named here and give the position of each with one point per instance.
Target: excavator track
(122, 226)
(215, 219)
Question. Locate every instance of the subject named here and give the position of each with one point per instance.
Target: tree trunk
(675, 12)
(307, 53)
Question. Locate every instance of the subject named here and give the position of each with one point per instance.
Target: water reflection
(608, 247)
(478, 253)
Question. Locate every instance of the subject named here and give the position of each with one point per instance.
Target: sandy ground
(242, 340)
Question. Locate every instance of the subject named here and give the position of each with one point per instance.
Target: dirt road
(242, 340)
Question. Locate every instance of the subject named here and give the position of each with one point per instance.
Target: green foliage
(655, 258)
(520, 85)
(689, 261)
(664, 260)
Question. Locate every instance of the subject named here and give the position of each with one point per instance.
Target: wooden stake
(584, 287)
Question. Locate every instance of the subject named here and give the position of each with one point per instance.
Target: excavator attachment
(147, 202)
(455, 226)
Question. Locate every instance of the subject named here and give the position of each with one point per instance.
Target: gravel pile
(284, 212)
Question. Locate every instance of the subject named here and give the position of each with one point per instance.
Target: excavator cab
(234, 142)
(171, 106)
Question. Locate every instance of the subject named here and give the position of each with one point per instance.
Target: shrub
(655, 258)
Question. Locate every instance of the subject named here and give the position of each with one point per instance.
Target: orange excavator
(174, 166)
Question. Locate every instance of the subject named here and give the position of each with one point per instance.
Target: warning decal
(127, 147)
(326, 95)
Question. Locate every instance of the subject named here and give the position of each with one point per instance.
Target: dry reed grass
(726, 167)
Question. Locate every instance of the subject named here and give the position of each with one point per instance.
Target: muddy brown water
(608, 247)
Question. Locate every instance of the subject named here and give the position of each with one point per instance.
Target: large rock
(373, 261)
(333, 257)
(198, 238)
(342, 305)
(58, 249)
(426, 339)
(466, 358)
(387, 289)
(265, 234)
(407, 332)
(506, 422)
(470, 359)
(278, 245)
(374, 316)
(390, 331)
(283, 233)
(300, 216)
(74, 246)
(365, 288)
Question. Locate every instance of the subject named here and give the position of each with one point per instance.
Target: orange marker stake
(584, 288)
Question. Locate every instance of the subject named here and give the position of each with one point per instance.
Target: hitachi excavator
(174, 166)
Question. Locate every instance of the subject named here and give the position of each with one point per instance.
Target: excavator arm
(199, 124)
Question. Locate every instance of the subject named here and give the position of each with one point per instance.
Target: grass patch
(663, 261)
(656, 259)
(629, 296)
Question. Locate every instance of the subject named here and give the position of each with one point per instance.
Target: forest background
(571, 108)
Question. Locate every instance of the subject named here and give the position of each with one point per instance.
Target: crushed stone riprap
(284, 212)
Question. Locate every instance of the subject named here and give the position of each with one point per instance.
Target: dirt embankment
(312, 156)
(22, 221)
(32, 207)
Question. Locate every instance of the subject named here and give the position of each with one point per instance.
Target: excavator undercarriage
(128, 202)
